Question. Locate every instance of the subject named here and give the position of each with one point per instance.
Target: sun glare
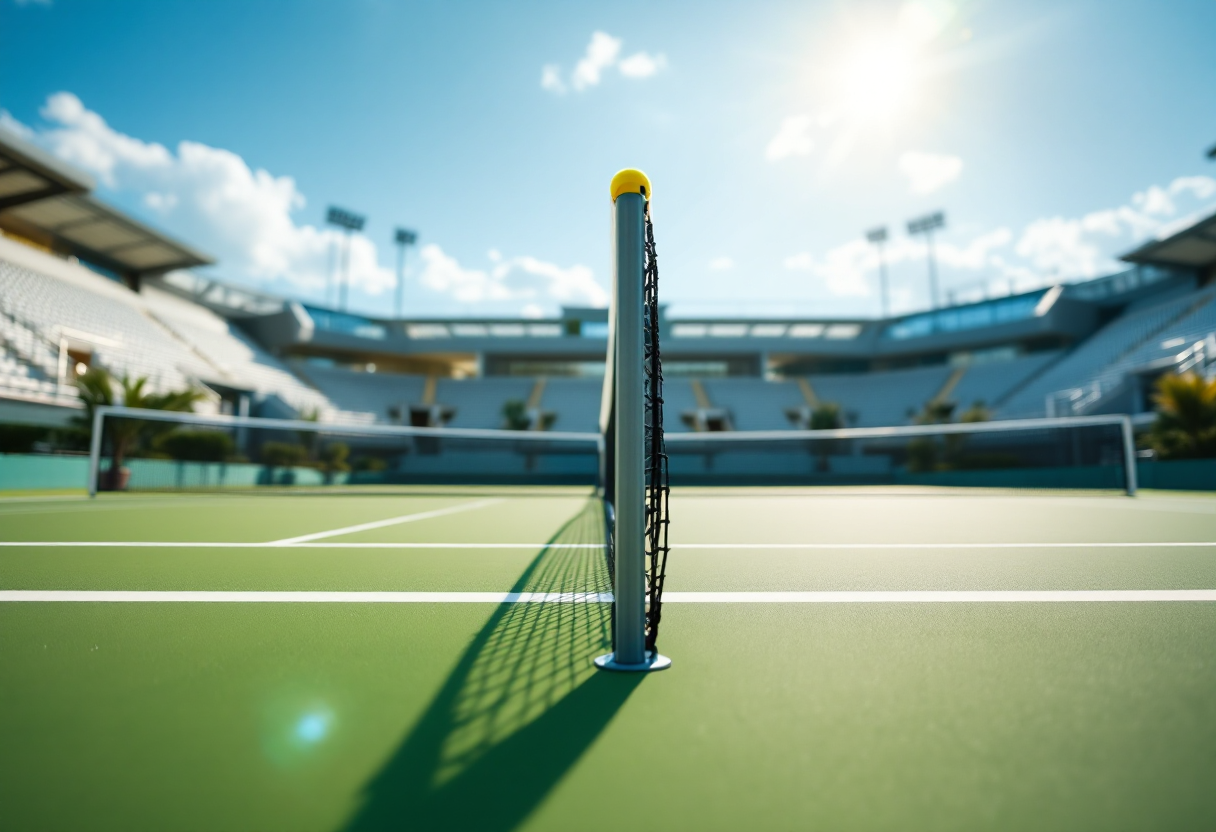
(876, 79)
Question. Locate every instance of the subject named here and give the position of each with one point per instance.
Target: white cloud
(513, 280)
(213, 199)
(603, 53)
(721, 264)
(792, 139)
(642, 65)
(842, 270)
(13, 126)
(551, 79)
(1047, 250)
(927, 172)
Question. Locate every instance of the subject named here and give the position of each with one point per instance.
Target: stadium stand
(575, 401)
(989, 383)
(1193, 327)
(242, 362)
(1087, 362)
(479, 403)
(48, 304)
(379, 394)
(879, 399)
(755, 404)
(105, 316)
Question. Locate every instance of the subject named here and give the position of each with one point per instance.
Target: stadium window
(422, 331)
(689, 331)
(594, 329)
(545, 330)
(768, 330)
(843, 332)
(712, 369)
(470, 330)
(727, 330)
(806, 330)
(980, 316)
(507, 330)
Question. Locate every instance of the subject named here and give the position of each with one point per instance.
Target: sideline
(380, 524)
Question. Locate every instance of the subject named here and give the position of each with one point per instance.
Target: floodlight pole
(403, 238)
(878, 236)
(349, 222)
(630, 191)
(927, 225)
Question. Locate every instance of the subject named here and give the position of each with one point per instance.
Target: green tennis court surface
(813, 698)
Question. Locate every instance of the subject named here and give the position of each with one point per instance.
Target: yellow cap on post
(630, 181)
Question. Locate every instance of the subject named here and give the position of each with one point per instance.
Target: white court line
(860, 597)
(1121, 544)
(183, 544)
(392, 521)
(135, 596)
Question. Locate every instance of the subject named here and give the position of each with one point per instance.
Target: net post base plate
(654, 661)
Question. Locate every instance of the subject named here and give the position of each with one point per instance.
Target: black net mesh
(657, 484)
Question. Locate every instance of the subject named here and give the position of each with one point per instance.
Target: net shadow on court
(519, 710)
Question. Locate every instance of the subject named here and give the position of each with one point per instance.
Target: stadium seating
(877, 400)
(378, 394)
(172, 342)
(575, 402)
(479, 402)
(242, 362)
(1195, 325)
(753, 403)
(1088, 361)
(989, 383)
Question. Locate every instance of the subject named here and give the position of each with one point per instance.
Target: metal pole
(95, 450)
(400, 278)
(344, 277)
(630, 589)
(630, 192)
(882, 274)
(1129, 457)
(932, 270)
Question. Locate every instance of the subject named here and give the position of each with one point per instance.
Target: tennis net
(143, 450)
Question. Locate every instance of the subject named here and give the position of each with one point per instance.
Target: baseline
(287, 544)
(847, 597)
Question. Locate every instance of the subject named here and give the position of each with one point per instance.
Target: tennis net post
(630, 190)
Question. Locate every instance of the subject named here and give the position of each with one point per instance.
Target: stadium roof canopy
(1192, 247)
(48, 202)
(27, 174)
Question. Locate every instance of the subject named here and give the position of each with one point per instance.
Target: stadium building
(82, 285)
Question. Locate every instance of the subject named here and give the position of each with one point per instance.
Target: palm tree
(97, 388)
(1186, 417)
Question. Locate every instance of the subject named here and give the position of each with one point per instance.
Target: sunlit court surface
(421, 658)
(550, 417)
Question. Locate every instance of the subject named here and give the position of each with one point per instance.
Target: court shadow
(518, 711)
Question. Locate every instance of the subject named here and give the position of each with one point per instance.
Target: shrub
(283, 454)
(370, 464)
(197, 445)
(1186, 417)
(333, 457)
(20, 439)
(515, 415)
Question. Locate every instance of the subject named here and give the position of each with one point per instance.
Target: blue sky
(1055, 136)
